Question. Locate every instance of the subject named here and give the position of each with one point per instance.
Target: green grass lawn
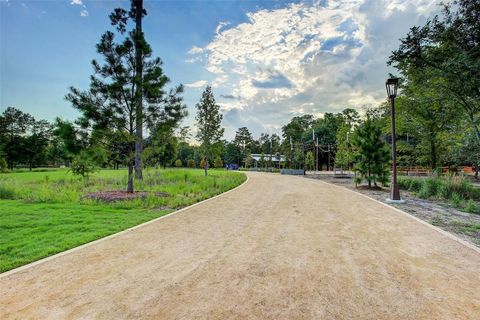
(43, 213)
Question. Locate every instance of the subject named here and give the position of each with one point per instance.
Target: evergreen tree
(36, 143)
(372, 153)
(14, 125)
(112, 102)
(140, 49)
(244, 143)
(232, 154)
(209, 123)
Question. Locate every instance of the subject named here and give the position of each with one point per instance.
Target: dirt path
(433, 211)
(278, 247)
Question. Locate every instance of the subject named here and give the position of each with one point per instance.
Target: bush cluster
(456, 189)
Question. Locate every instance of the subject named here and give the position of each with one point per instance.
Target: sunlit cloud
(309, 57)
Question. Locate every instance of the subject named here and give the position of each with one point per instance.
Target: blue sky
(267, 60)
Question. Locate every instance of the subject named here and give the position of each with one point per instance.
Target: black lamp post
(391, 85)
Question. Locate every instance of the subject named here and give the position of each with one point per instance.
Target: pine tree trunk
(130, 177)
(139, 88)
(131, 162)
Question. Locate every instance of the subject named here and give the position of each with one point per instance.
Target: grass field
(43, 213)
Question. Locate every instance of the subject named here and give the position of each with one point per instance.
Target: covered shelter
(276, 159)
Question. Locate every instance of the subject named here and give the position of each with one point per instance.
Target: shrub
(463, 187)
(456, 199)
(431, 186)
(471, 207)
(440, 187)
(445, 190)
(218, 162)
(423, 193)
(357, 180)
(7, 193)
(202, 163)
(415, 185)
(191, 163)
(3, 165)
(83, 165)
(403, 183)
(178, 163)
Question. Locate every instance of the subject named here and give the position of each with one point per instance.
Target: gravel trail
(278, 247)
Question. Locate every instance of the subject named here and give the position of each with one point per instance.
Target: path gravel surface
(278, 247)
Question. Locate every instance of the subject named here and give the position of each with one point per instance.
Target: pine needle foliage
(372, 154)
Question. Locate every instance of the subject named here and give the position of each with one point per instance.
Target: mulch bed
(376, 188)
(112, 196)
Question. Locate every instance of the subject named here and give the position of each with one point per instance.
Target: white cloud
(308, 58)
(195, 50)
(197, 84)
(221, 25)
(83, 10)
(193, 60)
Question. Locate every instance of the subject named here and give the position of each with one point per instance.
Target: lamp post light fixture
(391, 86)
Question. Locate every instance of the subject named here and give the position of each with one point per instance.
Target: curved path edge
(445, 233)
(91, 243)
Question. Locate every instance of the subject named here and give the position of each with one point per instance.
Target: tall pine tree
(372, 155)
(124, 93)
(209, 123)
